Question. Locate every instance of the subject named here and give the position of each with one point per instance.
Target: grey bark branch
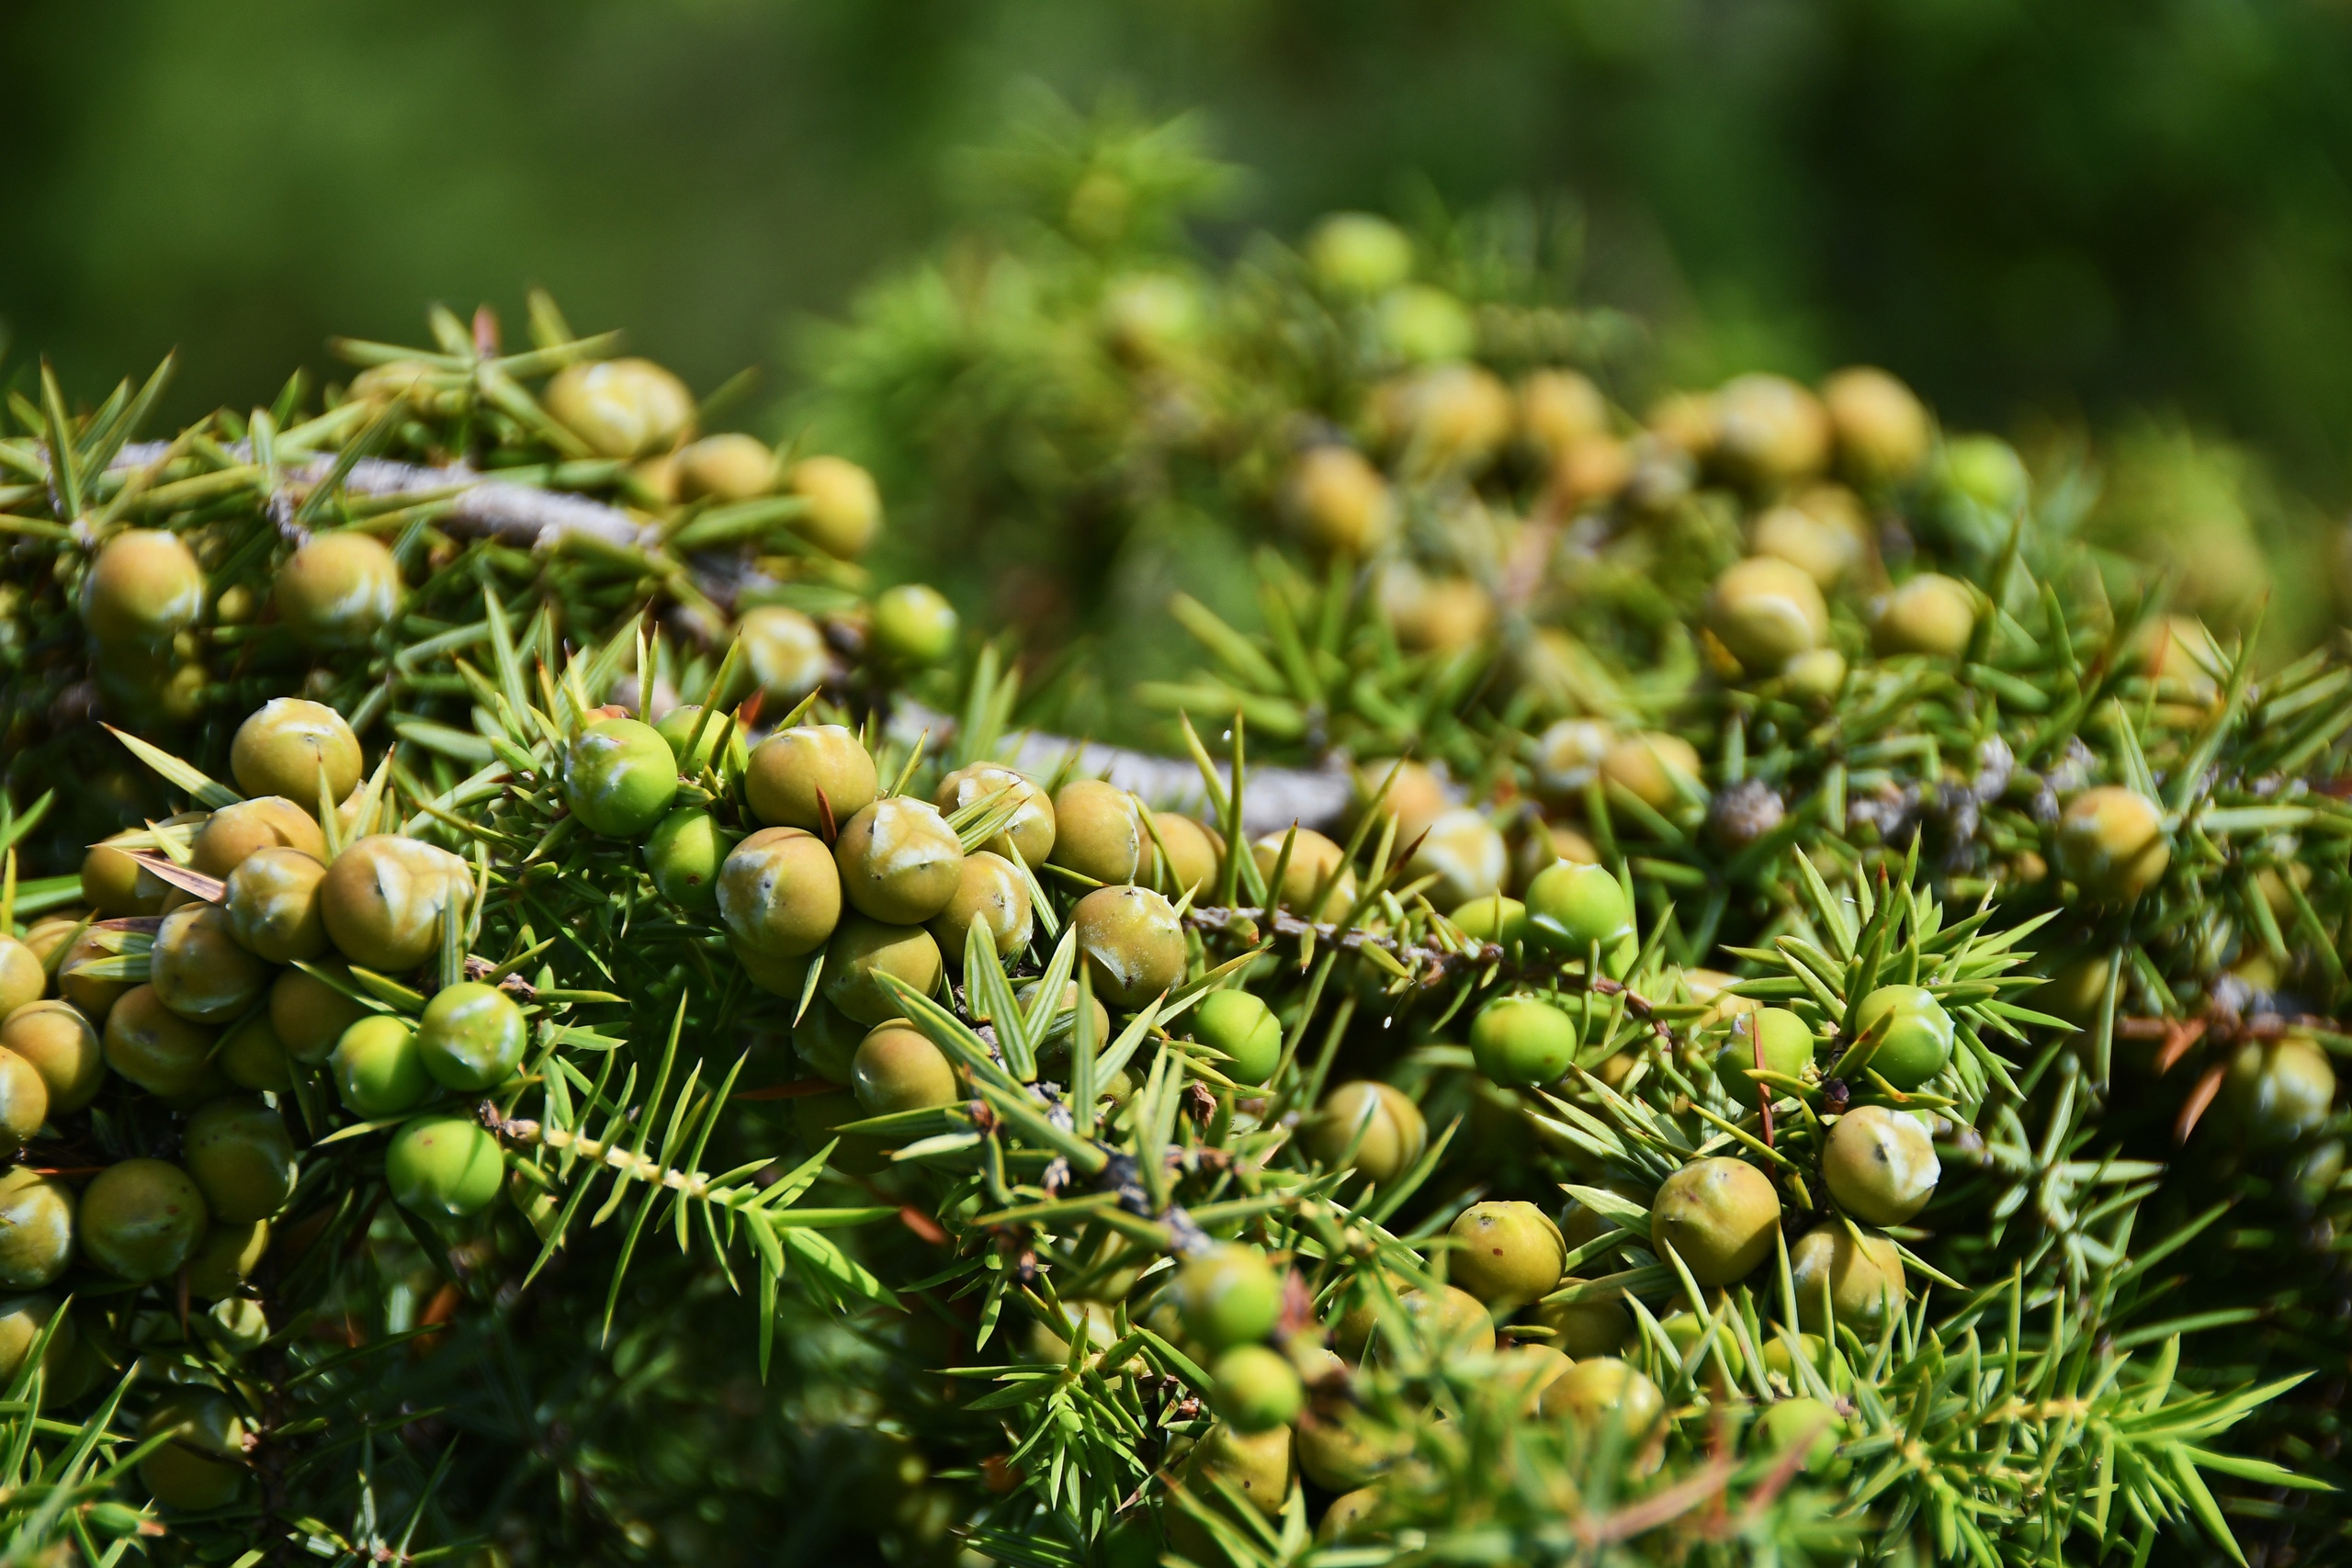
(521, 516)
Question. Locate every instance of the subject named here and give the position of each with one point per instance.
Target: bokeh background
(2100, 211)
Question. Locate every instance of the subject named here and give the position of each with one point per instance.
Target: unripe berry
(1425, 325)
(1449, 1321)
(784, 654)
(621, 407)
(22, 976)
(140, 1219)
(1769, 430)
(378, 1068)
(1245, 1028)
(1719, 1215)
(1880, 1164)
(338, 591)
(36, 1228)
(1194, 854)
(1353, 1516)
(1466, 854)
(117, 885)
(158, 1050)
(1685, 1330)
(1031, 829)
(1256, 1388)
(1929, 614)
(1881, 426)
(1864, 1282)
(1653, 768)
(1315, 863)
(309, 1016)
(1507, 1254)
(726, 468)
(1384, 1128)
(94, 996)
(1358, 252)
(990, 893)
(269, 821)
(1349, 1451)
(1497, 920)
(272, 904)
(720, 748)
(913, 626)
(1817, 676)
(144, 589)
(1822, 550)
(619, 777)
(684, 854)
(252, 1056)
(444, 1167)
(2278, 1091)
(1915, 1034)
(1522, 1042)
(898, 1069)
(1229, 1296)
(1987, 471)
(900, 861)
(791, 768)
(1098, 832)
(1787, 1422)
(472, 1036)
(240, 1157)
(23, 1104)
(1571, 910)
(1558, 409)
(199, 968)
(1339, 502)
(1445, 415)
(1601, 1392)
(1256, 1464)
(1787, 1042)
(862, 952)
(1587, 1328)
(283, 747)
(1131, 941)
(62, 1045)
(844, 509)
(203, 1466)
(227, 1258)
(1766, 612)
(1567, 758)
(780, 893)
(385, 898)
(2111, 844)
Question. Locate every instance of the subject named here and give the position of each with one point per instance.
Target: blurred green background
(2031, 211)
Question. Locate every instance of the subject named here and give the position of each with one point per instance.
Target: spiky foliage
(691, 1327)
